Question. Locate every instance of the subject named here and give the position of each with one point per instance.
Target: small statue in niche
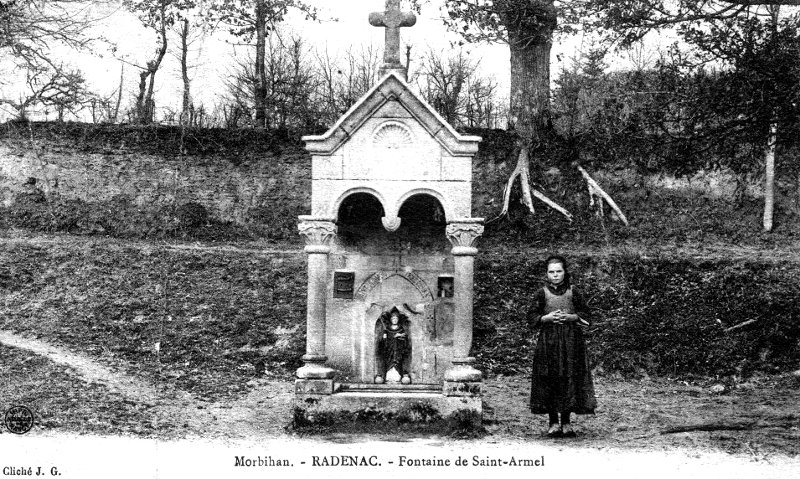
(393, 347)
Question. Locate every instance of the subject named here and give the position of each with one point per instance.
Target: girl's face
(555, 273)
(395, 319)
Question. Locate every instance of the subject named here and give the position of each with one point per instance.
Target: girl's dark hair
(555, 258)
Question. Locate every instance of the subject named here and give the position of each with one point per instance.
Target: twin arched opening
(419, 221)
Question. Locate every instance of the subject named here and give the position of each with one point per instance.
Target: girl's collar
(560, 288)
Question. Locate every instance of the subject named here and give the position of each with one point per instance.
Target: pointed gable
(391, 97)
(393, 145)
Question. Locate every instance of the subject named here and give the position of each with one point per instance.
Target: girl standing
(562, 381)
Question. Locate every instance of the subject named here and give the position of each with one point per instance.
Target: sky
(342, 24)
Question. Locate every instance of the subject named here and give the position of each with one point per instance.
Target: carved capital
(463, 233)
(317, 231)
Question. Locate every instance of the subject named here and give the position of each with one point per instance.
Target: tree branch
(756, 3)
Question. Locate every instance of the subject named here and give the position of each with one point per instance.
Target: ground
(100, 394)
(72, 393)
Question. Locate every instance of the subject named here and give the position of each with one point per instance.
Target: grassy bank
(209, 320)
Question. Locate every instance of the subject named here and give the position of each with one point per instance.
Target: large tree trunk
(261, 79)
(530, 35)
(769, 153)
(530, 25)
(769, 176)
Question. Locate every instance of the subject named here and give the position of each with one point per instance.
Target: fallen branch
(741, 325)
(595, 188)
(737, 426)
(709, 427)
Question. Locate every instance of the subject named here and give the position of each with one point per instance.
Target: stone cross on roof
(392, 19)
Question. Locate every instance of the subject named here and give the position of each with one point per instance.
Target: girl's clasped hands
(559, 317)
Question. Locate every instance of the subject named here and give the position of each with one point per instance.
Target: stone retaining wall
(229, 191)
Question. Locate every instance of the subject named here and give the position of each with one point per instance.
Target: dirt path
(261, 413)
(88, 369)
(700, 251)
(633, 415)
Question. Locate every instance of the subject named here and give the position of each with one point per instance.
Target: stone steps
(388, 388)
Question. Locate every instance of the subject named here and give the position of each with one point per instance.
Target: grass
(206, 321)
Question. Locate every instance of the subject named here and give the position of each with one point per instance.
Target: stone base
(381, 403)
(313, 386)
(462, 388)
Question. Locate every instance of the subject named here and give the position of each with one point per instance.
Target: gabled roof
(388, 89)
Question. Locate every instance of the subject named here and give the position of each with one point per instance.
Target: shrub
(191, 215)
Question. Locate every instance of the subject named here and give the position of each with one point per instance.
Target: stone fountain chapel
(390, 245)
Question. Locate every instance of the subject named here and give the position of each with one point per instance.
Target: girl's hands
(551, 317)
(559, 317)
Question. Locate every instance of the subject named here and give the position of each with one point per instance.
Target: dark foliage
(163, 140)
(191, 215)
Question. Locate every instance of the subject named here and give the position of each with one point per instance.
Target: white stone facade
(392, 144)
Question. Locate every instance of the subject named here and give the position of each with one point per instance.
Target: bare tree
(452, 85)
(158, 15)
(255, 19)
(342, 81)
(30, 28)
(285, 88)
(52, 87)
(482, 109)
(192, 25)
(444, 83)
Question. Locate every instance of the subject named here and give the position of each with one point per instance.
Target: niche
(445, 287)
(344, 284)
(393, 348)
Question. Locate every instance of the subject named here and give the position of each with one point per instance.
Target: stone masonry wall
(229, 191)
(244, 176)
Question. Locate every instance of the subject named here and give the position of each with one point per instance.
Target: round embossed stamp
(19, 419)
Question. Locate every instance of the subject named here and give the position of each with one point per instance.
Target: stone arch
(377, 278)
(448, 213)
(333, 212)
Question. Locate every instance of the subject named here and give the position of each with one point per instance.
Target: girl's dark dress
(562, 380)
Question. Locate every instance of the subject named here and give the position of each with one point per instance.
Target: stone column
(463, 377)
(314, 377)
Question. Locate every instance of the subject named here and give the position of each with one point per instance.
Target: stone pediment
(392, 98)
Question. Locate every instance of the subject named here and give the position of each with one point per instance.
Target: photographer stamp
(18, 419)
